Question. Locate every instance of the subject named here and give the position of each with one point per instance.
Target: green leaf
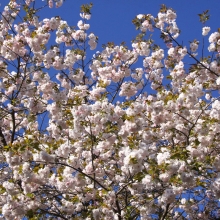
(2, 190)
(139, 176)
(30, 195)
(204, 16)
(30, 213)
(86, 8)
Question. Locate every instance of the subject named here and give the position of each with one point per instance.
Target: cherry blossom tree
(132, 132)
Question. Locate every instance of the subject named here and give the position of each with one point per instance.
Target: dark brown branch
(193, 56)
(13, 126)
(118, 209)
(78, 170)
(166, 212)
(2, 137)
(52, 213)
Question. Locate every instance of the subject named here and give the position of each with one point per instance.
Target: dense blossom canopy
(132, 133)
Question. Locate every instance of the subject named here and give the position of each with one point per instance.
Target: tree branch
(2, 137)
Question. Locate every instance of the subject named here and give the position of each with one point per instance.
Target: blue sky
(111, 20)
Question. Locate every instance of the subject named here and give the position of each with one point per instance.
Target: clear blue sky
(111, 20)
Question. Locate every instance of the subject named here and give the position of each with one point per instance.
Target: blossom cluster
(114, 136)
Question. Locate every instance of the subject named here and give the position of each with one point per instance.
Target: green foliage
(203, 17)
(86, 8)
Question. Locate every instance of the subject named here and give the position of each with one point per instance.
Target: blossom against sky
(112, 20)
